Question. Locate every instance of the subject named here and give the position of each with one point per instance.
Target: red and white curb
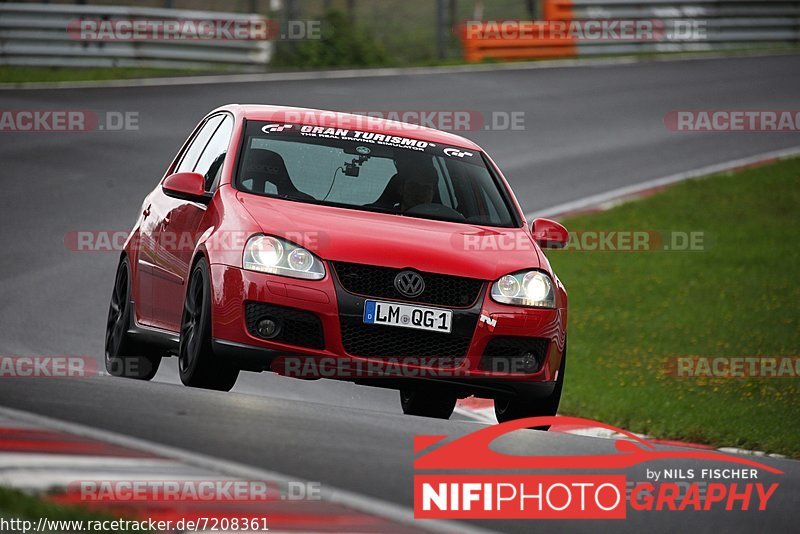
(482, 410)
(47, 457)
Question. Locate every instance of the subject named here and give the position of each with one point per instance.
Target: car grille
(440, 289)
(432, 349)
(506, 354)
(298, 327)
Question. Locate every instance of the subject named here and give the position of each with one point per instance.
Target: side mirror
(549, 234)
(187, 186)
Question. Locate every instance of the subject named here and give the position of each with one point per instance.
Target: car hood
(349, 235)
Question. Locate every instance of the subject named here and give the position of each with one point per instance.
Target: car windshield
(370, 171)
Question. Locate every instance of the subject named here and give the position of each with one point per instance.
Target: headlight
(526, 288)
(272, 255)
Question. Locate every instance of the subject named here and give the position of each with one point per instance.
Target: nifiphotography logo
(583, 486)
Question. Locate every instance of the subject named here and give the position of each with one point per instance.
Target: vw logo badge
(409, 284)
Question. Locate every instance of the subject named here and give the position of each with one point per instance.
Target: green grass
(15, 504)
(10, 74)
(632, 311)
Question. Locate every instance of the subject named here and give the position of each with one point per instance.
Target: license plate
(403, 315)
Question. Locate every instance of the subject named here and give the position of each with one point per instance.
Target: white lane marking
(597, 432)
(615, 196)
(736, 450)
(379, 72)
(363, 503)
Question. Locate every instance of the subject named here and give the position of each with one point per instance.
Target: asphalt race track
(587, 130)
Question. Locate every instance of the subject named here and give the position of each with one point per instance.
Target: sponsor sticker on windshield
(363, 138)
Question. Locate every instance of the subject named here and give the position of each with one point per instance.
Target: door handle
(146, 211)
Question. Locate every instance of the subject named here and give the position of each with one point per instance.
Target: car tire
(509, 409)
(427, 403)
(197, 365)
(125, 357)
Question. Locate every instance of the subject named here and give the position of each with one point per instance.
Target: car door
(145, 256)
(156, 207)
(157, 204)
(181, 225)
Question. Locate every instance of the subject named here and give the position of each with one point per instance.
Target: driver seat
(393, 192)
(266, 166)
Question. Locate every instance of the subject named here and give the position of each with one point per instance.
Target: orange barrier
(613, 27)
(519, 39)
(557, 10)
(513, 40)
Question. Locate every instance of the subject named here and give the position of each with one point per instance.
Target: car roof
(319, 117)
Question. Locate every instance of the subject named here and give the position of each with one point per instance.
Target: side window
(210, 163)
(189, 159)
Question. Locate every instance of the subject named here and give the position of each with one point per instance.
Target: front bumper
(339, 314)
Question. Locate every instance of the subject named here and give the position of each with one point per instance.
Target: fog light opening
(530, 364)
(268, 327)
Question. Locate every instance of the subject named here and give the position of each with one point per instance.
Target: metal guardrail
(720, 25)
(38, 35)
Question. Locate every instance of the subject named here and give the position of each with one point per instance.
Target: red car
(321, 244)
